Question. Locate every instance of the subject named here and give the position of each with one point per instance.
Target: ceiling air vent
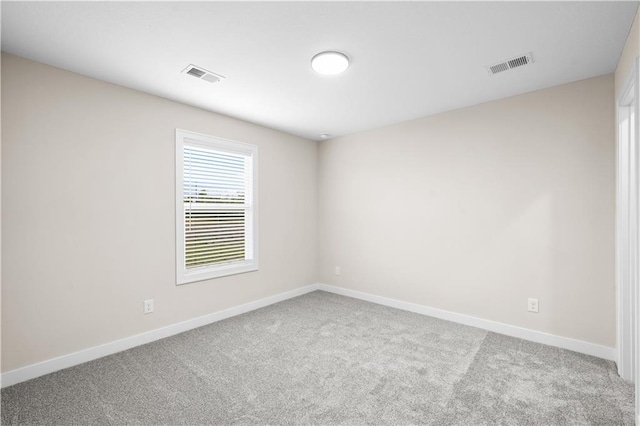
(203, 74)
(510, 63)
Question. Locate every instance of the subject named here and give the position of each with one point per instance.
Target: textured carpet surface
(325, 359)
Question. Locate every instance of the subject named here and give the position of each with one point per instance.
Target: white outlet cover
(148, 306)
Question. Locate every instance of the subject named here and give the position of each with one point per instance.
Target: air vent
(510, 63)
(203, 74)
(196, 72)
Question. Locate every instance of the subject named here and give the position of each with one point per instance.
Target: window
(216, 231)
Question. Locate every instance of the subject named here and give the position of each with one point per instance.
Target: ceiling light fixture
(330, 63)
(325, 135)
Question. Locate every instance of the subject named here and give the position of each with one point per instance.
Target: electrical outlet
(337, 270)
(533, 305)
(148, 306)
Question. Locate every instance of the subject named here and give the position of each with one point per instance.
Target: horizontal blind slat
(213, 233)
(199, 206)
(200, 260)
(198, 168)
(212, 153)
(197, 252)
(200, 256)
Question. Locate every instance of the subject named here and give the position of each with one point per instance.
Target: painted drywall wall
(630, 52)
(474, 211)
(88, 226)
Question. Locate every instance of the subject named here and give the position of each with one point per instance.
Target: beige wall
(630, 52)
(88, 213)
(472, 211)
(476, 210)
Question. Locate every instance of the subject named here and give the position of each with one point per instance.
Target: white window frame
(184, 275)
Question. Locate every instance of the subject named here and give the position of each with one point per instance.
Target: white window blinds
(216, 233)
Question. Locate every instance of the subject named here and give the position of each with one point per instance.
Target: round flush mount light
(325, 135)
(330, 63)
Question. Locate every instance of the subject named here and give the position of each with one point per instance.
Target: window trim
(184, 276)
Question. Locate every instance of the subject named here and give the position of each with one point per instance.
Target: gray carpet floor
(327, 359)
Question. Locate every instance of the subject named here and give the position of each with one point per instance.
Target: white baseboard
(49, 366)
(593, 349)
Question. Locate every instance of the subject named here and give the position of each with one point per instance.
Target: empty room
(320, 213)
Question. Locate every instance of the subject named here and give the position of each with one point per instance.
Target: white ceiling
(409, 59)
